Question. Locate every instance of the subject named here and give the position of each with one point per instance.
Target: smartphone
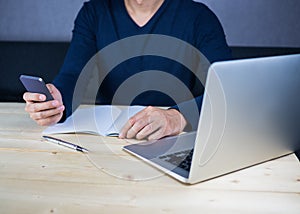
(36, 85)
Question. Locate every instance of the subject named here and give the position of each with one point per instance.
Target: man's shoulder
(97, 2)
(193, 5)
(93, 10)
(96, 5)
(191, 9)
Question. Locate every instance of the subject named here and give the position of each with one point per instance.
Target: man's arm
(82, 48)
(211, 42)
(153, 123)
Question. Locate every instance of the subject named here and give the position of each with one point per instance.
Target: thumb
(54, 91)
(51, 88)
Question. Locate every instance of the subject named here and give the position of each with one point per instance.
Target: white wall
(246, 22)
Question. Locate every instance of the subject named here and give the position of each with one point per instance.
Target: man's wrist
(181, 119)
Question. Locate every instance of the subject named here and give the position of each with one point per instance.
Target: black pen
(65, 143)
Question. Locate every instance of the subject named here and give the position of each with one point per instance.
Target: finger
(126, 127)
(33, 97)
(159, 133)
(47, 113)
(147, 130)
(137, 127)
(50, 87)
(140, 116)
(37, 107)
(146, 111)
(53, 90)
(50, 120)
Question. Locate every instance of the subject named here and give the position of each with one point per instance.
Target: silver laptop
(250, 114)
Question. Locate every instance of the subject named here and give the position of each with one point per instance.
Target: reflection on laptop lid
(250, 114)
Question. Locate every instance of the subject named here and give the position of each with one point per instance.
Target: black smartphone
(36, 85)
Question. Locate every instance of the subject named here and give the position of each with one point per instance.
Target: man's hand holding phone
(44, 112)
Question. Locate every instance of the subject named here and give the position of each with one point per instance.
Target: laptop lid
(250, 114)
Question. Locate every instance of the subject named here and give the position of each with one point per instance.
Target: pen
(65, 143)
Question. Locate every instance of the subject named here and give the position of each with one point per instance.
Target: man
(102, 22)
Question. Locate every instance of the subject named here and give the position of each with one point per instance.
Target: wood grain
(40, 177)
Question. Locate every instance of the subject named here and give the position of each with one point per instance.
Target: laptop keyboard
(181, 159)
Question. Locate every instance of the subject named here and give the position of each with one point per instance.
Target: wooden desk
(40, 177)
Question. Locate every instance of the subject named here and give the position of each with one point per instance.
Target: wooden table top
(40, 177)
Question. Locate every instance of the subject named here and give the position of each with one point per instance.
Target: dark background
(271, 23)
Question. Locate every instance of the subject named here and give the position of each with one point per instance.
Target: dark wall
(246, 22)
(272, 23)
(37, 20)
(42, 59)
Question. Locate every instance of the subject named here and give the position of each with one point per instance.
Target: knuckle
(40, 115)
(29, 107)
(39, 122)
(26, 108)
(43, 122)
(149, 128)
(35, 116)
(149, 109)
(131, 120)
(34, 108)
(139, 124)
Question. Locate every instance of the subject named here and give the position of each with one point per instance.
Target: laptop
(250, 114)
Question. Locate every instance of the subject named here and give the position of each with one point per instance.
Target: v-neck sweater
(101, 23)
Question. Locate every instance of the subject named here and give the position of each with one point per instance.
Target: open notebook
(103, 120)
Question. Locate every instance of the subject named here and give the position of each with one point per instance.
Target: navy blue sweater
(103, 22)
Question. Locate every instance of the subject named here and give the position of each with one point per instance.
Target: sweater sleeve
(211, 41)
(82, 48)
